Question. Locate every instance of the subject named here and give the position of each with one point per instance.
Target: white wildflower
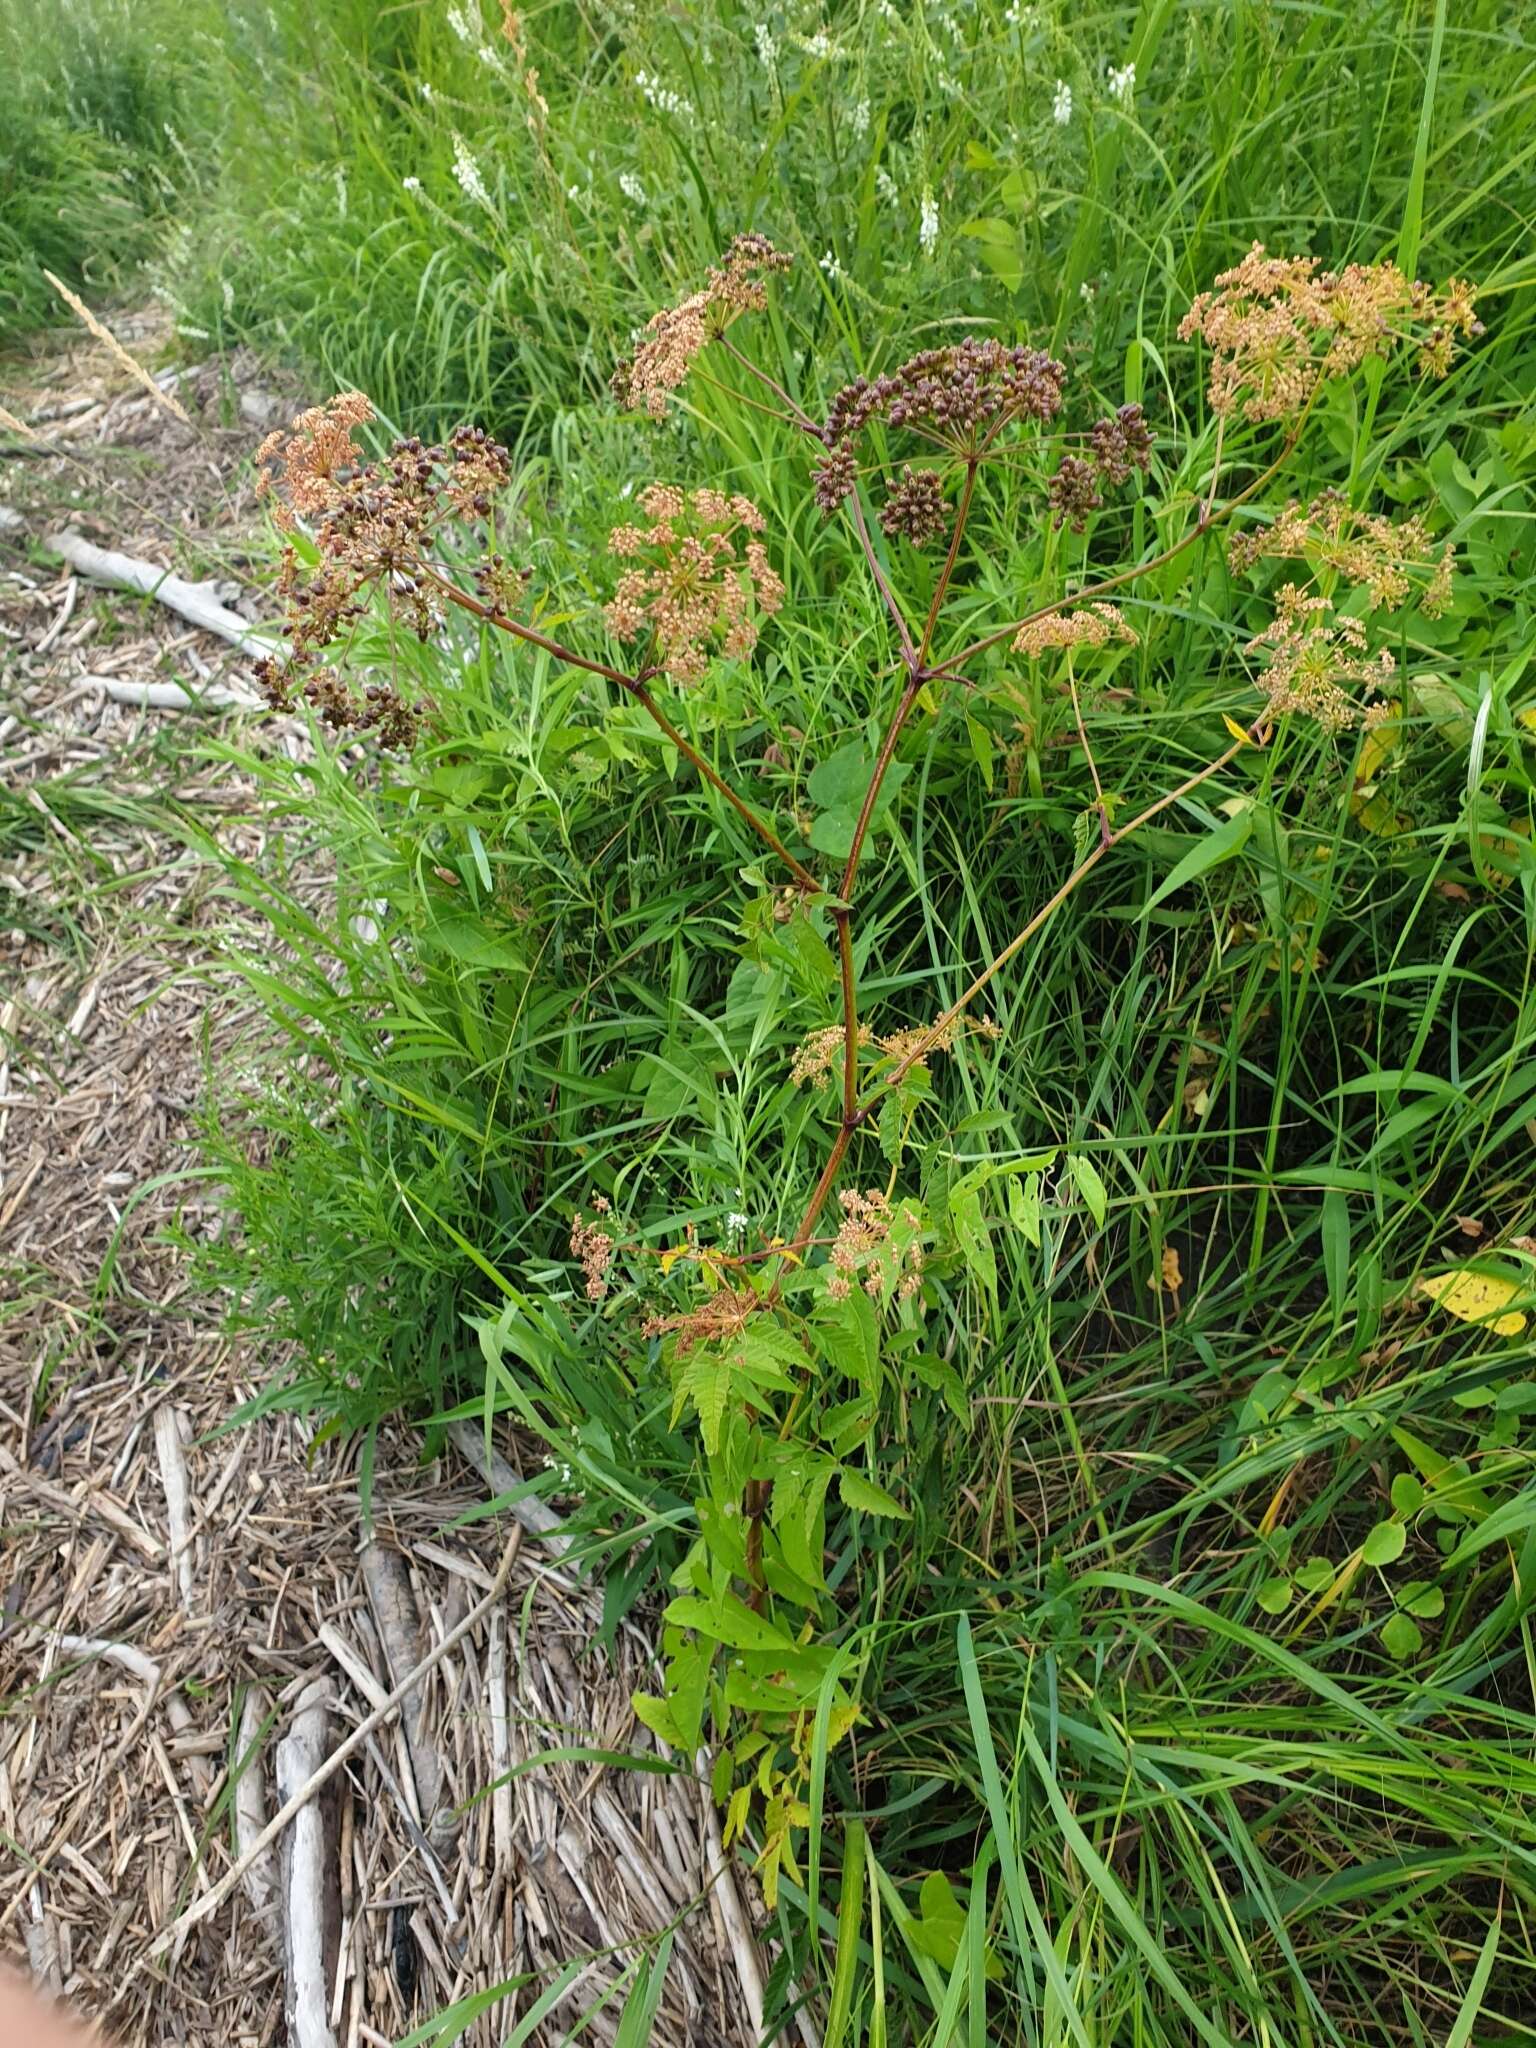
(832, 267)
(458, 21)
(860, 117)
(662, 97)
(1061, 104)
(928, 223)
(818, 45)
(1122, 83)
(229, 294)
(632, 188)
(885, 185)
(767, 48)
(410, 184)
(736, 1223)
(467, 171)
(573, 191)
(424, 89)
(489, 56)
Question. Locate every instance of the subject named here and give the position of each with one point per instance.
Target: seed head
(1074, 492)
(915, 507)
(1094, 626)
(958, 396)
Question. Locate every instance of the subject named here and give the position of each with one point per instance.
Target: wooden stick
(309, 1905)
(194, 601)
(261, 1876)
(468, 1439)
(174, 696)
(214, 1898)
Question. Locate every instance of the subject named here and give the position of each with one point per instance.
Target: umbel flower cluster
(373, 525)
(1277, 326)
(665, 348)
(690, 590)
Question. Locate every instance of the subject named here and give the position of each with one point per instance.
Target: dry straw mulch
(169, 1585)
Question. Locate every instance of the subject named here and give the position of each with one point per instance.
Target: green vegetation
(1180, 1551)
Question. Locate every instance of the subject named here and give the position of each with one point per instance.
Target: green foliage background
(1165, 1740)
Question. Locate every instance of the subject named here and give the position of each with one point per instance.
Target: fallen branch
(194, 601)
(174, 696)
(291, 1807)
(538, 1519)
(261, 1875)
(394, 1612)
(307, 1890)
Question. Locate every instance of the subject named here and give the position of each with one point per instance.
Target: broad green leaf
(1402, 1636)
(1385, 1543)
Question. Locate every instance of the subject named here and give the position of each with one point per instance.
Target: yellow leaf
(1477, 1298)
(670, 1258)
(1240, 733)
(1527, 716)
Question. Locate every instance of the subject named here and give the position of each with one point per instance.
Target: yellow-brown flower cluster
(1313, 655)
(1385, 558)
(863, 1244)
(1277, 325)
(1094, 626)
(373, 524)
(665, 348)
(693, 591)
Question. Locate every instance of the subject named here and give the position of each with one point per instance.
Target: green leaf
(1275, 1595)
(729, 1621)
(1420, 1598)
(972, 1234)
(1407, 1494)
(1402, 1637)
(870, 1499)
(657, 1716)
(1385, 1543)
(1090, 1186)
(1315, 1575)
(1221, 844)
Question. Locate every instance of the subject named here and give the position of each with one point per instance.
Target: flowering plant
(782, 1350)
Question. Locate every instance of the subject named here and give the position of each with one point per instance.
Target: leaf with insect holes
(1475, 1297)
(1385, 1543)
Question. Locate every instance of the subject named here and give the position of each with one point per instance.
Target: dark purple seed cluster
(1074, 492)
(1120, 444)
(833, 479)
(915, 507)
(959, 394)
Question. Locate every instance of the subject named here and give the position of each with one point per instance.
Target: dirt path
(163, 1585)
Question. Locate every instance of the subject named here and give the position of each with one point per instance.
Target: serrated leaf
(1385, 1543)
(657, 1716)
(870, 1499)
(1475, 1297)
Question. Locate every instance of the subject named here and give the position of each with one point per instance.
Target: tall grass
(1165, 1742)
